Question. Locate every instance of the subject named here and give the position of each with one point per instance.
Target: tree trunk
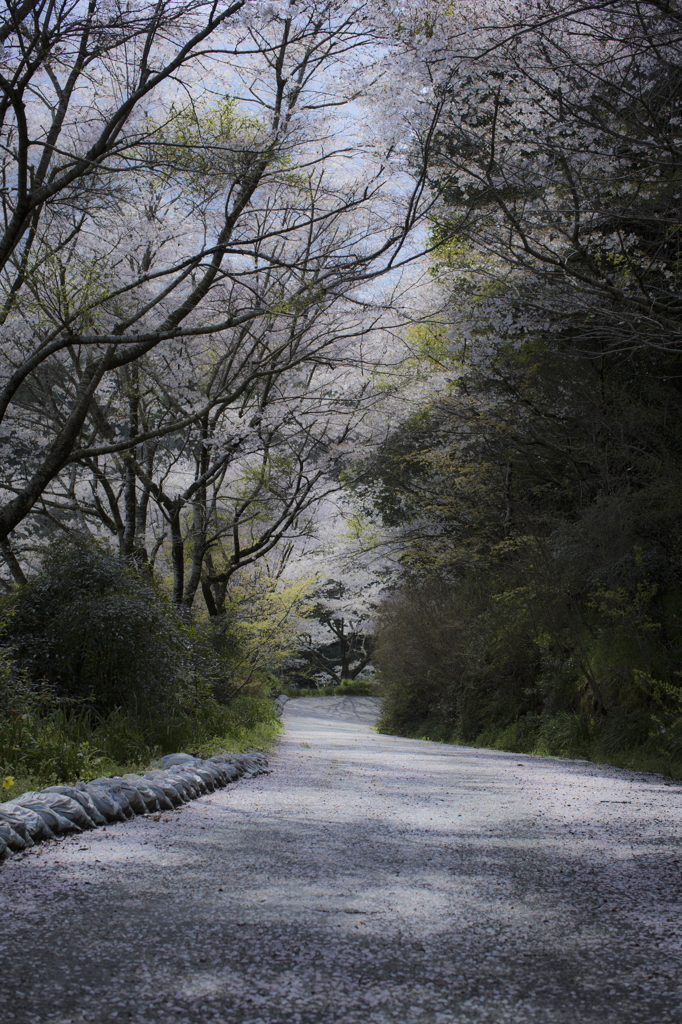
(12, 562)
(141, 554)
(131, 382)
(199, 521)
(177, 556)
(60, 449)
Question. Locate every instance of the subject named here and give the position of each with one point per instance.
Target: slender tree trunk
(508, 499)
(214, 593)
(58, 454)
(197, 563)
(199, 522)
(12, 563)
(343, 640)
(209, 599)
(144, 492)
(354, 672)
(177, 556)
(131, 381)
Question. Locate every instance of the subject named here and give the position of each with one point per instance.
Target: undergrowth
(564, 735)
(99, 675)
(68, 743)
(349, 687)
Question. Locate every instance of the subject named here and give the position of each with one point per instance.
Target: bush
(102, 676)
(515, 668)
(451, 662)
(95, 630)
(357, 687)
(418, 653)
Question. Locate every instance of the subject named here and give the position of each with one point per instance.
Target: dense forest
(337, 333)
(538, 488)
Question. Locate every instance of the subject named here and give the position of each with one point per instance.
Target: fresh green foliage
(263, 612)
(202, 145)
(65, 743)
(258, 629)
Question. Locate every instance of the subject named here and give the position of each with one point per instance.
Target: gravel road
(368, 879)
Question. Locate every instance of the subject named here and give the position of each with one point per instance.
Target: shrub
(357, 687)
(94, 629)
(103, 674)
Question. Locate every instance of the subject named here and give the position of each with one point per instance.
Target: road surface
(369, 879)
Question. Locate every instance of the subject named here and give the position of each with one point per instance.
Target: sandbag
(52, 818)
(191, 784)
(127, 791)
(154, 797)
(125, 795)
(142, 786)
(67, 807)
(64, 809)
(201, 783)
(161, 781)
(208, 778)
(220, 776)
(230, 771)
(18, 825)
(219, 771)
(13, 840)
(106, 803)
(15, 813)
(223, 759)
(171, 760)
(162, 799)
(80, 794)
(183, 786)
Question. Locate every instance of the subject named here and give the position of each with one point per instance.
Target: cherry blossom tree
(348, 564)
(182, 204)
(558, 163)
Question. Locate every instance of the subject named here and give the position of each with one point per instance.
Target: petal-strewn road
(368, 879)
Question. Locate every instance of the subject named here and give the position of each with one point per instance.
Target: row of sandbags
(61, 809)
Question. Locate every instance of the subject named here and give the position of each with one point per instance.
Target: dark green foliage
(99, 671)
(542, 595)
(99, 631)
(450, 663)
(540, 491)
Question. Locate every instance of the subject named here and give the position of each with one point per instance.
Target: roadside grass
(349, 687)
(634, 761)
(549, 737)
(69, 744)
